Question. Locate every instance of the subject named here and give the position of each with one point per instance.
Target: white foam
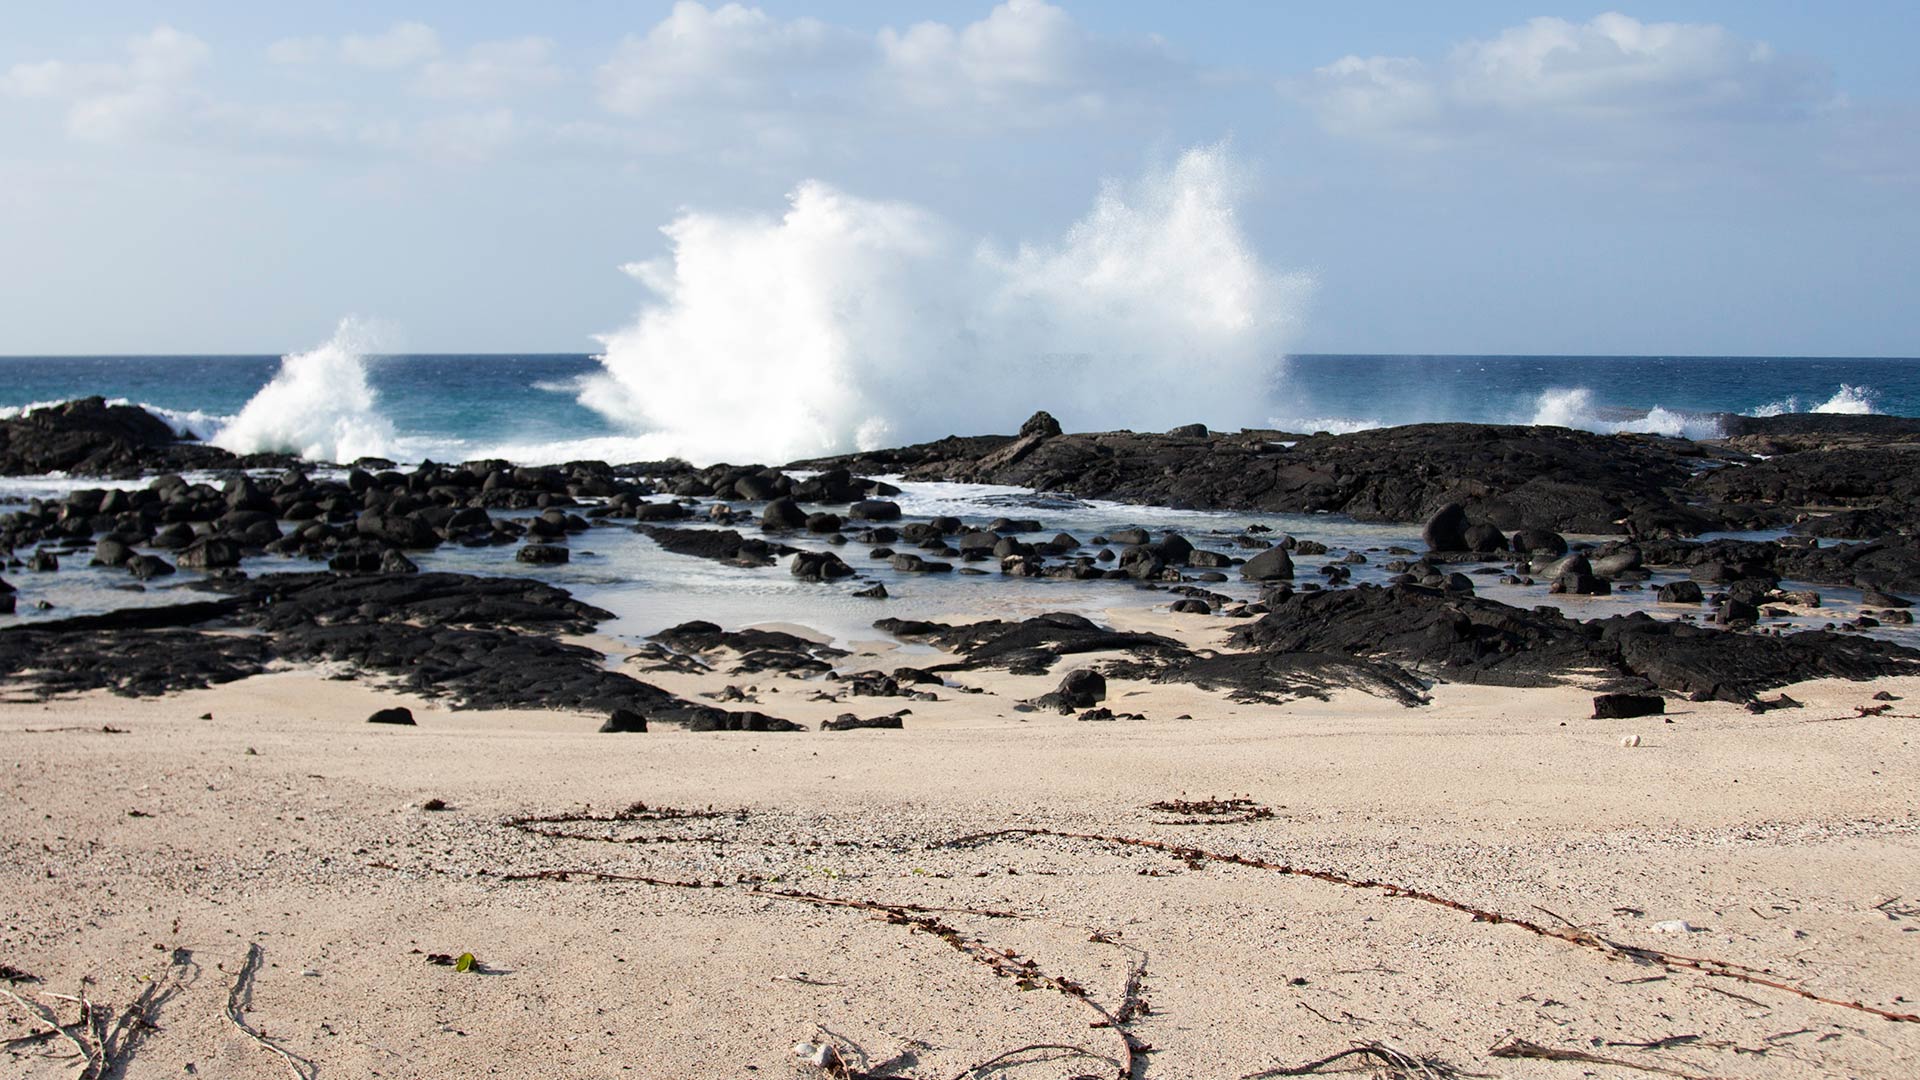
(1848, 399)
(1333, 425)
(850, 323)
(1574, 407)
(319, 405)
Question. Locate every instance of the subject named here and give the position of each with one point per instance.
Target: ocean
(541, 408)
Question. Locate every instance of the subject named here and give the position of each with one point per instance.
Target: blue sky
(1682, 178)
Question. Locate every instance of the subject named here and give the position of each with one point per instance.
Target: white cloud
(402, 45)
(1023, 52)
(492, 69)
(731, 54)
(1551, 73)
(112, 100)
(1026, 63)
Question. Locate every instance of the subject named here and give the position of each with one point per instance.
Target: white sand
(286, 820)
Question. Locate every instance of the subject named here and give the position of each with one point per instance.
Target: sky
(1676, 179)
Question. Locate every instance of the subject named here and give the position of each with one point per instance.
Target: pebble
(1630, 740)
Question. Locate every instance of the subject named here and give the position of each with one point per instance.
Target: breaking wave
(319, 405)
(1849, 399)
(1574, 407)
(849, 323)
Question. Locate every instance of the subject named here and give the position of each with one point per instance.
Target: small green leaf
(465, 963)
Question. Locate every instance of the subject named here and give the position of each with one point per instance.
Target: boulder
(393, 562)
(1578, 584)
(111, 552)
(399, 714)
(1446, 530)
(1627, 706)
(1539, 542)
(1082, 688)
(1679, 592)
(1040, 425)
(819, 566)
(850, 722)
(209, 553)
(543, 554)
(1485, 539)
(1273, 564)
(148, 567)
(783, 513)
(624, 721)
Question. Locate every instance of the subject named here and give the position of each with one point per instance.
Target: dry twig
(1521, 1048)
(1396, 1063)
(89, 1052)
(241, 996)
(1708, 966)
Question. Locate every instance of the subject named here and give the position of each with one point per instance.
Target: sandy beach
(269, 812)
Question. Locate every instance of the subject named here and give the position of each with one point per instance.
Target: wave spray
(850, 323)
(319, 405)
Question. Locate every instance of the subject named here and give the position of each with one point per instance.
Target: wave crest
(1574, 407)
(319, 406)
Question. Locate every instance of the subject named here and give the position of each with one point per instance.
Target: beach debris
(1393, 1063)
(1674, 926)
(1516, 1047)
(823, 1056)
(1573, 935)
(435, 804)
(1234, 810)
(850, 722)
(240, 996)
(462, 963)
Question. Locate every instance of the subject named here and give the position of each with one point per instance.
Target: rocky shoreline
(1494, 500)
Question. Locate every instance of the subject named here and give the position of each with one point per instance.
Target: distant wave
(319, 405)
(1334, 425)
(1574, 407)
(1849, 399)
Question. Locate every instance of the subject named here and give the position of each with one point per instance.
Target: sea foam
(1574, 407)
(1849, 399)
(319, 405)
(850, 323)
